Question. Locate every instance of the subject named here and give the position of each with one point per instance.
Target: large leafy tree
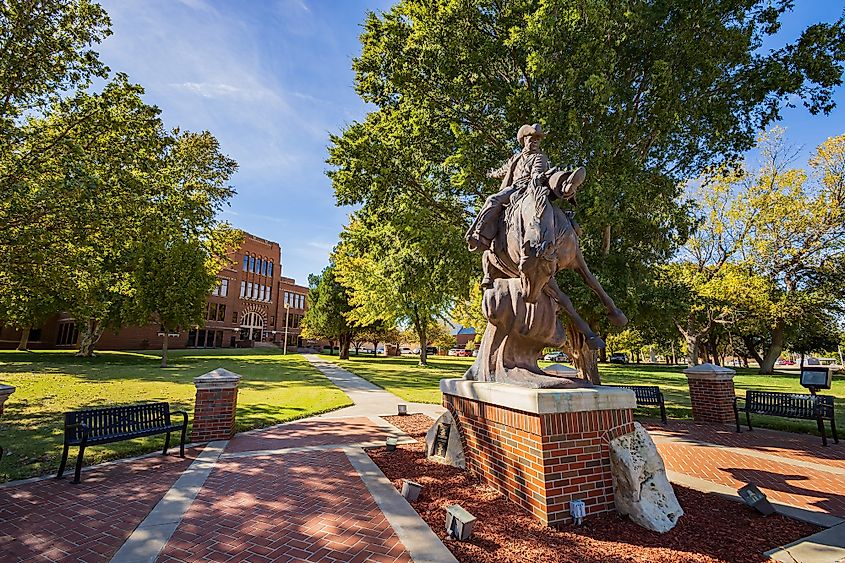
(642, 93)
(328, 310)
(183, 246)
(400, 270)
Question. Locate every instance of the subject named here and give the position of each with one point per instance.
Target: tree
(399, 270)
(643, 93)
(184, 246)
(329, 307)
(771, 245)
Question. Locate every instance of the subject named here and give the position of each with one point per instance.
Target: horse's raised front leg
(614, 314)
(594, 342)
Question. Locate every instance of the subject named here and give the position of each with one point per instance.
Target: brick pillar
(711, 392)
(5, 391)
(542, 448)
(214, 410)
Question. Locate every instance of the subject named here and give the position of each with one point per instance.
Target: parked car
(460, 352)
(405, 351)
(785, 363)
(556, 357)
(618, 359)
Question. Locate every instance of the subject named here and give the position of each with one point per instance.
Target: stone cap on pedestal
(710, 372)
(217, 379)
(541, 401)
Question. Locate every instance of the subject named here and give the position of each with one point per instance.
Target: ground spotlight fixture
(459, 522)
(754, 497)
(411, 490)
(578, 511)
(391, 444)
(403, 410)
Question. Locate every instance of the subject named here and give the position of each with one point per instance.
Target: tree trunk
(714, 350)
(583, 358)
(775, 348)
(752, 349)
(23, 345)
(692, 339)
(375, 348)
(164, 350)
(603, 355)
(89, 335)
(344, 346)
(421, 326)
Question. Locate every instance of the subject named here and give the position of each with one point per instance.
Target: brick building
(247, 307)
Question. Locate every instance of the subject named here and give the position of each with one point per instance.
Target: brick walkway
(301, 506)
(790, 468)
(51, 520)
(324, 432)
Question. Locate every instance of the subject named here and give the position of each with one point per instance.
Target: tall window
(261, 293)
(224, 288)
(246, 263)
(270, 271)
(221, 312)
(243, 289)
(269, 292)
(287, 298)
(258, 263)
(252, 264)
(255, 291)
(249, 290)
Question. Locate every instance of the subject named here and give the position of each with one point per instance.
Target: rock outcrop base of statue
(525, 240)
(640, 486)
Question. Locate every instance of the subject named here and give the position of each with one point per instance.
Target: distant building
(246, 309)
(463, 335)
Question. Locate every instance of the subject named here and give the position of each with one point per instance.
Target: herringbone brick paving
(309, 506)
(788, 444)
(55, 520)
(353, 430)
(805, 487)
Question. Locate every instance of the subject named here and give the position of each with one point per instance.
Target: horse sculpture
(534, 241)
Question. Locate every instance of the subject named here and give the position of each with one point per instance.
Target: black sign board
(755, 498)
(441, 440)
(815, 377)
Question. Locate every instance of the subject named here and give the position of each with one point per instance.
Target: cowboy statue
(525, 240)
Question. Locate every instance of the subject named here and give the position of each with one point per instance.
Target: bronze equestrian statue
(526, 240)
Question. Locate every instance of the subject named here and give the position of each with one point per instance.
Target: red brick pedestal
(711, 391)
(5, 392)
(214, 411)
(541, 447)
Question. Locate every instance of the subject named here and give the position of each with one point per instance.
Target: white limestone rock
(640, 486)
(454, 448)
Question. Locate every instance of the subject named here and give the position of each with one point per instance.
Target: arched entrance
(252, 326)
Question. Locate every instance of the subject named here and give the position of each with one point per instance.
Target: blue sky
(272, 78)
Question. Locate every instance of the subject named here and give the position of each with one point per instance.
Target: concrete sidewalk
(369, 399)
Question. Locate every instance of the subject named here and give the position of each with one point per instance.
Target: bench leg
(820, 422)
(166, 444)
(182, 441)
(833, 431)
(79, 460)
(748, 419)
(63, 462)
(663, 412)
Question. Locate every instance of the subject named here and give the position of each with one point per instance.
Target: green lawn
(273, 389)
(403, 377)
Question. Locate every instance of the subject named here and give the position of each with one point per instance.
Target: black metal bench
(648, 395)
(789, 405)
(112, 424)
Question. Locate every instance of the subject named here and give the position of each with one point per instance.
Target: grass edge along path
(274, 388)
(404, 378)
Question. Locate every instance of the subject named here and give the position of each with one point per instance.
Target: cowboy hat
(565, 183)
(535, 130)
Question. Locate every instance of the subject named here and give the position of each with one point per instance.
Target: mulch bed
(713, 528)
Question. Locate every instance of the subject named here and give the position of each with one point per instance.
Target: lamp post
(287, 324)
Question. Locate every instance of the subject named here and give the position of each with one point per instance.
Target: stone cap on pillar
(710, 372)
(541, 401)
(217, 379)
(5, 391)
